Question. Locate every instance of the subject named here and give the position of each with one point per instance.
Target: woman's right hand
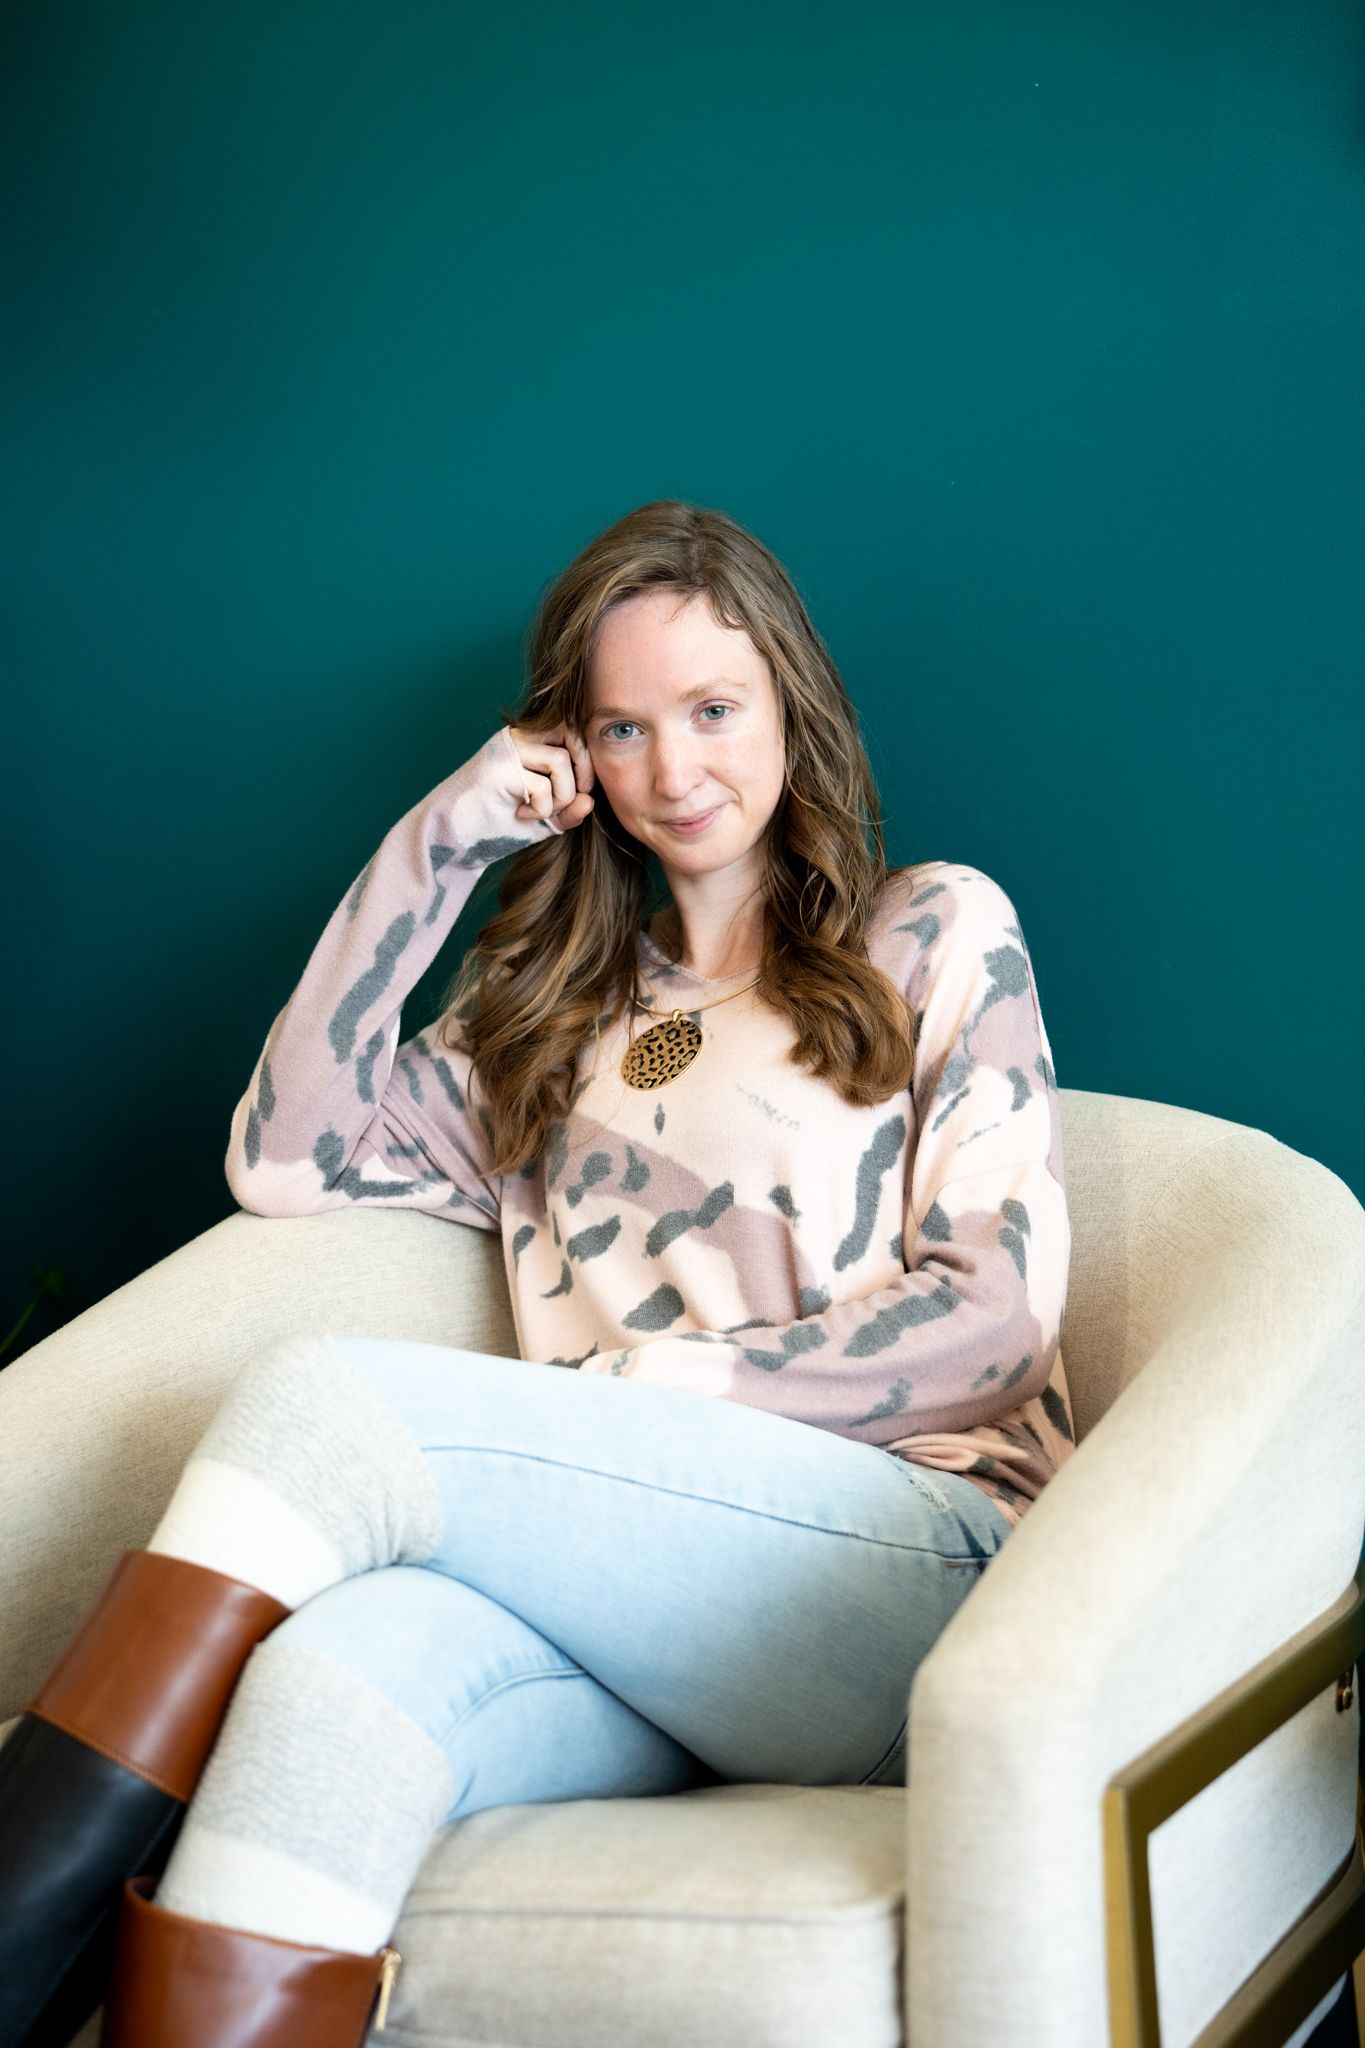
(559, 775)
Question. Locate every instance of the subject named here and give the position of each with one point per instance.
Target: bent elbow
(269, 1189)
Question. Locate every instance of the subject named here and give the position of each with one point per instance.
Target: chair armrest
(1212, 1513)
(97, 1421)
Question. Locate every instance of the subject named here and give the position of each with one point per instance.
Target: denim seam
(506, 1685)
(707, 1500)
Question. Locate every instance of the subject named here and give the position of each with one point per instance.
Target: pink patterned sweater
(896, 1274)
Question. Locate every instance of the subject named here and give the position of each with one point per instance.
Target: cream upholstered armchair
(1132, 1765)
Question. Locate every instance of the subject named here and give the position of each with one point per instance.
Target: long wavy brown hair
(555, 963)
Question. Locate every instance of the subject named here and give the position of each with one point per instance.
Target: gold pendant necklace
(668, 1049)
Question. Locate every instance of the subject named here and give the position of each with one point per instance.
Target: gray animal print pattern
(895, 1273)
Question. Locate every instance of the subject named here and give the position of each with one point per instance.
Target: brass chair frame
(1326, 1942)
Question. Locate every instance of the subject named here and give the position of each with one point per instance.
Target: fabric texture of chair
(1215, 1348)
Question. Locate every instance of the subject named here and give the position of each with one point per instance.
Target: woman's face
(683, 718)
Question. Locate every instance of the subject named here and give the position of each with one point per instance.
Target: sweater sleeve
(338, 1111)
(971, 1329)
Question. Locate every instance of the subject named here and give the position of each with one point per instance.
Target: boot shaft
(178, 1981)
(147, 1677)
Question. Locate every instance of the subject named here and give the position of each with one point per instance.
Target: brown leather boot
(182, 1983)
(95, 1779)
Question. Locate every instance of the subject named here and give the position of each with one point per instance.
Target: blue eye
(608, 730)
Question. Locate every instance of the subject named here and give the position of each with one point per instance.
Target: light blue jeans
(639, 1589)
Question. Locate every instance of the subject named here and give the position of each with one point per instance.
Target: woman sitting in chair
(759, 1120)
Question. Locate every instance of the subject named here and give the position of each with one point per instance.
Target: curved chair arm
(1213, 1512)
(97, 1420)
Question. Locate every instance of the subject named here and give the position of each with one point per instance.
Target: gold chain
(667, 1050)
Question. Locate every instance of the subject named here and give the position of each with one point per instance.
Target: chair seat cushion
(727, 1914)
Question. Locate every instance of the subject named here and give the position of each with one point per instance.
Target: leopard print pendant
(663, 1052)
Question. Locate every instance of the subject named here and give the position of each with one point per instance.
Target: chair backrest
(1180, 1222)
(1165, 1202)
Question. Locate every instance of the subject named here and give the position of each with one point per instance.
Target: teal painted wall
(1029, 336)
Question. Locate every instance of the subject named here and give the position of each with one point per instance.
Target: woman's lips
(688, 826)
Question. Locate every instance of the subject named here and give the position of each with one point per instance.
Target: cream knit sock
(303, 1477)
(314, 1811)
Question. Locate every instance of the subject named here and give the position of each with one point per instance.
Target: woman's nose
(675, 765)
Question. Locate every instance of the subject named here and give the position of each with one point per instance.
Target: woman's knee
(372, 1617)
(301, 1420)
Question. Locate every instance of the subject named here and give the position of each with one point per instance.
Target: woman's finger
(586, 775)
(576, 752)
(549, 775)
(558, 770)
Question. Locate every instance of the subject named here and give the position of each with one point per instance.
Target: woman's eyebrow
(685, 697)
